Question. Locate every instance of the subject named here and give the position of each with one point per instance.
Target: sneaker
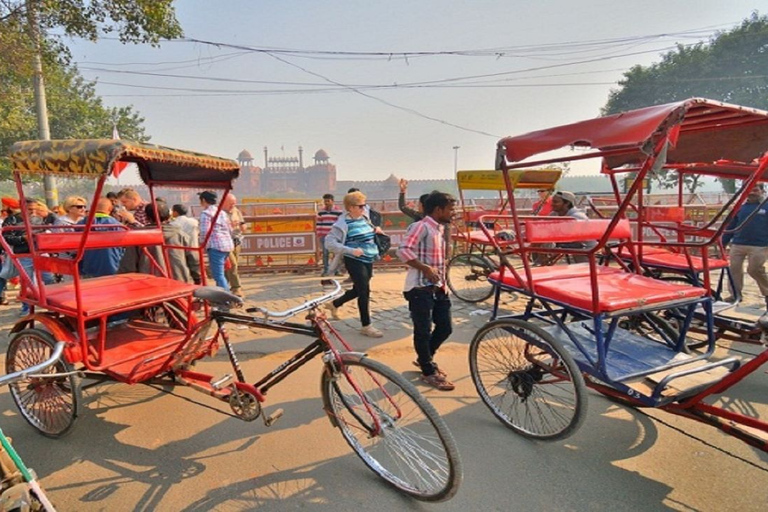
(370, 331)
(332, 310)
(437, 368)
(438, 382)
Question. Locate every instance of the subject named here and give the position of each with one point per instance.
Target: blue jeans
(29, 268)
(429, 306)
(217, 260)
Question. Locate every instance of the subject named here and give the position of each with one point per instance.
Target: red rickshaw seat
(575, 231)
(616, 291)
(59, 242)
(549, 273)
(475, 236)
(106, 294)
(678, 261)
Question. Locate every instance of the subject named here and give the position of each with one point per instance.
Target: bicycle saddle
(217, 296)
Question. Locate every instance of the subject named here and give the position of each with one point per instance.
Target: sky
(389, 87)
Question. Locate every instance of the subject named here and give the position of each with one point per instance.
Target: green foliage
(731, 67)
(74, 109)
(133, 21)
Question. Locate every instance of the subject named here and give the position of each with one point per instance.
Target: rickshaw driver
(564, 205)
(749, 243)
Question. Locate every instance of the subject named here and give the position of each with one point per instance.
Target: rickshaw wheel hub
(522, 382)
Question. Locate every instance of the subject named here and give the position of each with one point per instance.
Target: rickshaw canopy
(700, 130)
(494, 180)
(98, 157)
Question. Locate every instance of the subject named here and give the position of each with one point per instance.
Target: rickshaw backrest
(574, 231)
(61, 242)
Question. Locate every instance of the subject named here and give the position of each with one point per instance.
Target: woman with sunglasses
(74, 210)
(352, 238)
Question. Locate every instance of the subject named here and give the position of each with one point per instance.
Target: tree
(75, 110)
(731, 67)
(134, 21)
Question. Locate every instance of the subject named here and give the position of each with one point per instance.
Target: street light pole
(455, 159)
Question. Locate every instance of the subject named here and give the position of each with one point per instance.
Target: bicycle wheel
(467, 277)
(414, 451)
(527, 380)
(51, 405)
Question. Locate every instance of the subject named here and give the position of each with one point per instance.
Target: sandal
(438, 382)
(437, 369)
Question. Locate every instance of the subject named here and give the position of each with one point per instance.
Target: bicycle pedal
(218, 384)
(272, 418)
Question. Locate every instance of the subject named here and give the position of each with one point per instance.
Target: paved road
(153, 448)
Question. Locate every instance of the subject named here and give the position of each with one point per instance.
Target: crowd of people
(126, 209)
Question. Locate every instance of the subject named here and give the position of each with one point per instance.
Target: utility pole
(41, 107)
(455, 159)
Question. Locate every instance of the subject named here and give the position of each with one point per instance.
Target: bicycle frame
(319, 328)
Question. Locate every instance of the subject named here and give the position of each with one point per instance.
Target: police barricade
(280, 235)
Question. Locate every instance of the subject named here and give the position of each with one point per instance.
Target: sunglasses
(79, 206)
(360, 205)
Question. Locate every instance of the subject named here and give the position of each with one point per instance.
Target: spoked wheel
(50, 404)
(654, 326)
(527, 379)
(413, 449)
(467, 277)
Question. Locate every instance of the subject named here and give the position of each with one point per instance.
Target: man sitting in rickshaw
(564, 205)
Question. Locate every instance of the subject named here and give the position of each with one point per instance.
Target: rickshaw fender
(60, 332)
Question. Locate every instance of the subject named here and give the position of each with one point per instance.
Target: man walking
(749, 243)
(220, 242)
(423, 250)
(326, 218)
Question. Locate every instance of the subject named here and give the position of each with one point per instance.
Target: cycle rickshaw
(135, 327)
(578, 328)
(468, 270)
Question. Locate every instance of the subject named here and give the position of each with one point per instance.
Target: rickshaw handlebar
(58, 350)
(310, 304)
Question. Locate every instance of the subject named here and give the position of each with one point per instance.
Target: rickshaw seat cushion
(616, 291)
(556, 272)
(475, 236)
(577, 231)
(61, 242)
(679, 261)
(106, 294)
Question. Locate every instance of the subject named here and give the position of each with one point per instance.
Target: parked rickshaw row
(605, 308)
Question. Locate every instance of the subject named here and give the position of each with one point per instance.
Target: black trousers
(429, 307)
(361, 274)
